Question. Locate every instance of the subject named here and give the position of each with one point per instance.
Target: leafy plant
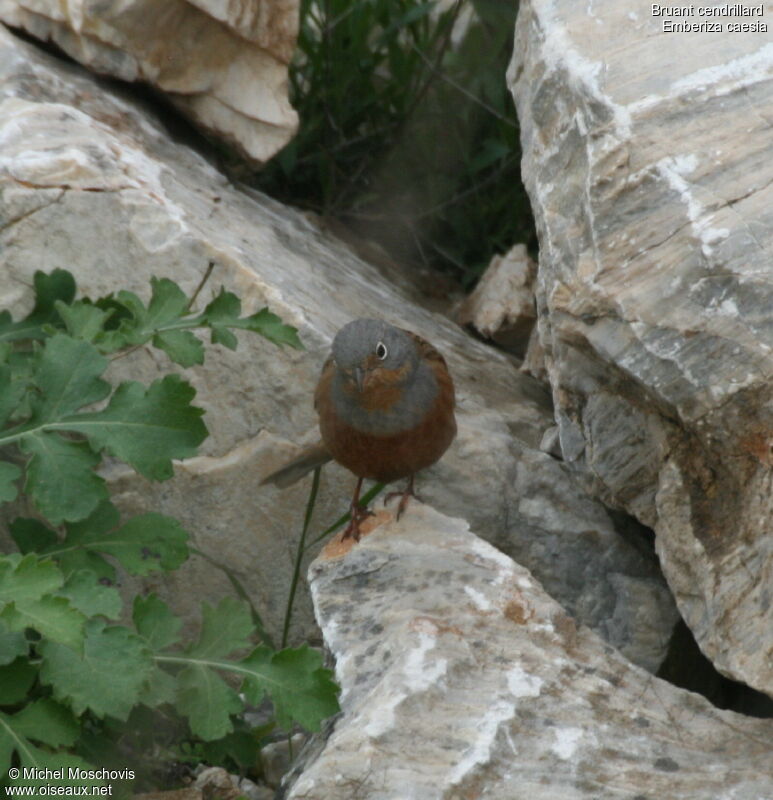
(73, 676)
(408, 135)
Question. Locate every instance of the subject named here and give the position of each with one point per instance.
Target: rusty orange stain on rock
(338, 547)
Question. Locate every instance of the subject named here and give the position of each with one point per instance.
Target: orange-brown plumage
(388, 458)
(385, 400)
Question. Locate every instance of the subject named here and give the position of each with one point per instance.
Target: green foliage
(76, 679)
(410, 139)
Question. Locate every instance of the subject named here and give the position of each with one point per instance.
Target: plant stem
(299, 554)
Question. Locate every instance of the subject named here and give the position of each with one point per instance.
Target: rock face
(651, 180)
(462, 679)
(91, 184)
(224, 64)
(501, 307)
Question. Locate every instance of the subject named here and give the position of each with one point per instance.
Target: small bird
(385, 401)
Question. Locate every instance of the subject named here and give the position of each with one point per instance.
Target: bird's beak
(359, 375)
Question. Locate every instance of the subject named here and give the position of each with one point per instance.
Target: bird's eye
(381, 351)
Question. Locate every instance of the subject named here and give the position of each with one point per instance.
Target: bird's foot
(404, 495)
(356, 516)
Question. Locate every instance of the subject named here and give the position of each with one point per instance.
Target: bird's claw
(404, 495)
(352, 530)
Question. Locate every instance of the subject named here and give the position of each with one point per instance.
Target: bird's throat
(388, 403)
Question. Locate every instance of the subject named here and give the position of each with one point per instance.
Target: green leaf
(224, 628)
(182, 347)
(155, 622)
(301, 689)
(27, 578)
(146, 543)
(167, 304)
(13, 385)
(67, 375)
(207, 701)
(272, 328)
(12, 644)
(16, 679)
(9, 474)
(75, 552)
(52, 617)
(32, 757)
(60, 477)
(85, 593)
(146, 428)
(82, 319)
(107, 678)
(241, 746)
(48, 722)
(80, 558)
(8, 743)
(56, 285)
(223, 309)
(160, 688)
(223, 313)
(31, 535)
(221, 335)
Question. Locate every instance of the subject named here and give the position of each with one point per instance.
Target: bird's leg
(356, 514)
(404, 495)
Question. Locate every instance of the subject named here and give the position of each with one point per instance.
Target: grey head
(373, 342)
(364, 345)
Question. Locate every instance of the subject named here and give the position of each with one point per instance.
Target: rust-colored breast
(389, 458)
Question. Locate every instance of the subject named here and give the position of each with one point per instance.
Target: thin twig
(208, 272)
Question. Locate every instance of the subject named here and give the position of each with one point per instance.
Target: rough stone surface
(222, 63)
(462, 679)
(534, 358)
(651, 180)
(90, 184)
(501, 307)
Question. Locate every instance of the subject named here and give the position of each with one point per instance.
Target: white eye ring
(381, 350)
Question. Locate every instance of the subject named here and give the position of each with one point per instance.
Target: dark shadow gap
(688, 668)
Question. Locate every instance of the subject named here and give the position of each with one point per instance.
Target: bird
(385, 400)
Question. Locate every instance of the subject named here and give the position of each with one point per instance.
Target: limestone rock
(462, 679)
(224, 64)
(275, 758)
(652, 186)
(501, 307)
(534, 358)
(89, 184)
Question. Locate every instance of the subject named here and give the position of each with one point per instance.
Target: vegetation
(83, 682)
(407, 136)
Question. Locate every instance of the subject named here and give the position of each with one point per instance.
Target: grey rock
(647, 160)
(275, 758)
(461, 678)
(241, 98)
(90, 184)
(501, 307)
(551, 443)
(216, 782)
(254, 791)
(534, 358)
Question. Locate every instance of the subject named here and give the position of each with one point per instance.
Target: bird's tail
(308, 459)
